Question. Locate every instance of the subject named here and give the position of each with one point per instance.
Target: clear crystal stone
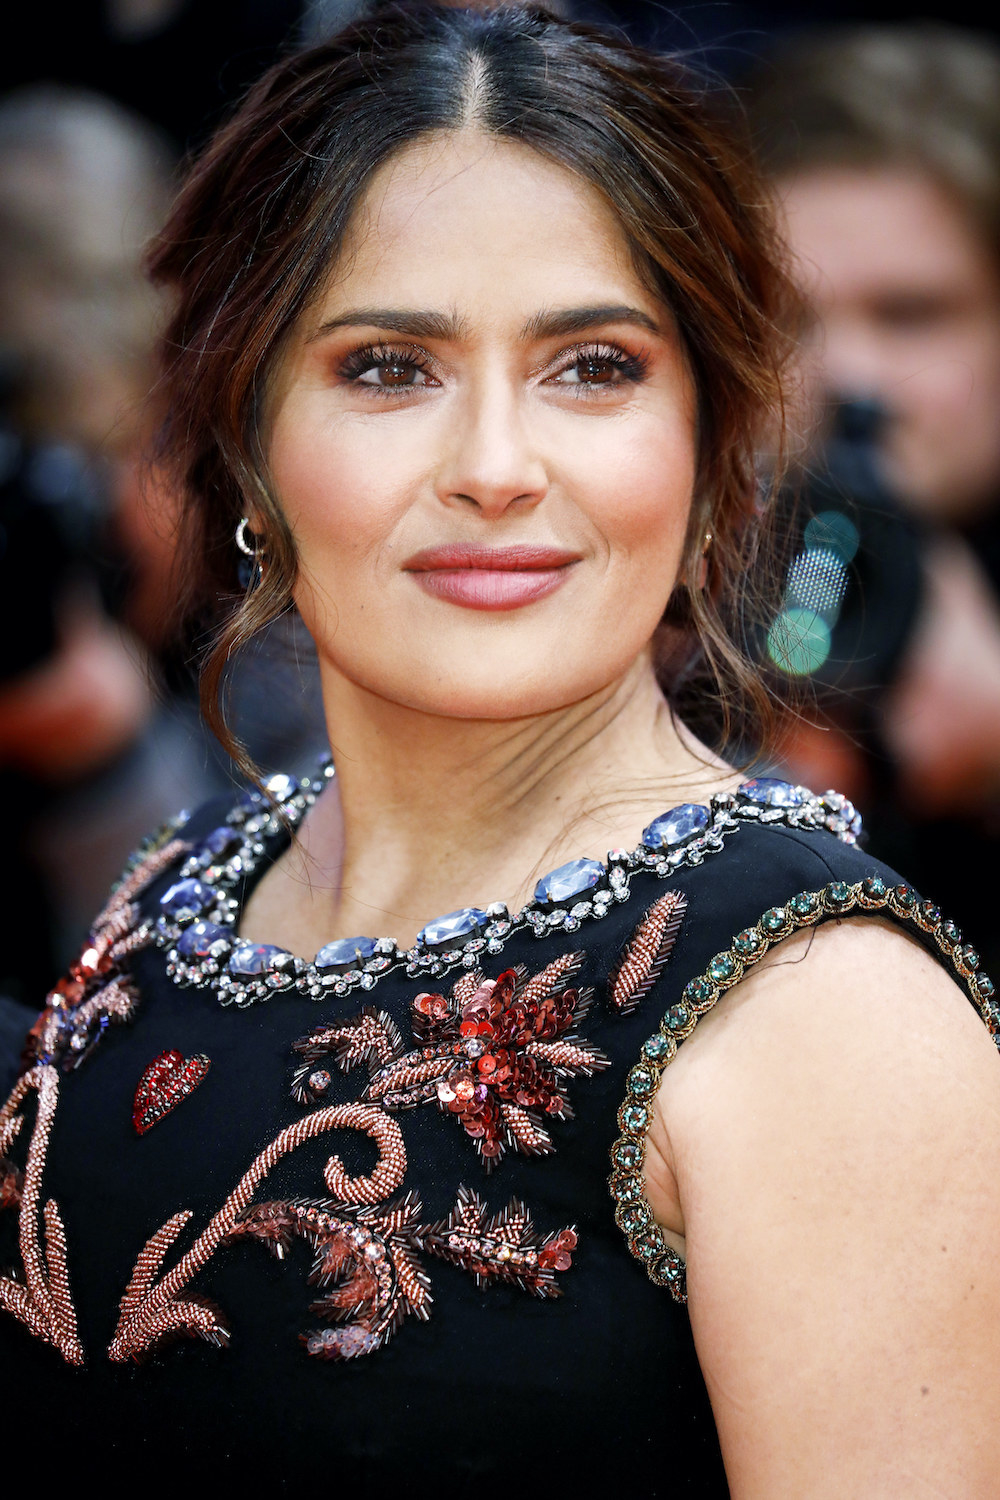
(344, 953)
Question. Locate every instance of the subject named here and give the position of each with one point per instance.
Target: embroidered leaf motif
(646, 952)
(42, 1302)
(364, 1257)
(79, 1008)
(496, 1054)
(502, 1248)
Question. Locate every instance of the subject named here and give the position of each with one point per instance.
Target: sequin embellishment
(494, 1054)
(167, 1080)
(632, 1211)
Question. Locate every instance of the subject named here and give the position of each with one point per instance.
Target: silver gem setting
(196, 927)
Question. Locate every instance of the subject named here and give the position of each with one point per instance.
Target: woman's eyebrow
(413, 322)
(420, 323)
(560, 322)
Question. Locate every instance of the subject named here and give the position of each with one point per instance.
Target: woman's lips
(494, 578)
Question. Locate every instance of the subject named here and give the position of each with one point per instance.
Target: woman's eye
(599, 368)
(393, 374)
(589, 371)
(384, 370)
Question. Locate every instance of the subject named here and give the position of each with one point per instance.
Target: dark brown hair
(262, 217)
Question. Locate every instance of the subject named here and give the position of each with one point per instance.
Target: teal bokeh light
(832, 530)
(798, 642)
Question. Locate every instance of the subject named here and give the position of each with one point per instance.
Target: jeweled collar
(200, 911)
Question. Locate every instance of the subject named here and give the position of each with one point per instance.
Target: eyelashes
(596, 365)
(399, 367)
(383, 369)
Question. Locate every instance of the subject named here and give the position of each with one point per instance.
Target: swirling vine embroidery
(366, 1248)
(495, 1053)
(95, 993)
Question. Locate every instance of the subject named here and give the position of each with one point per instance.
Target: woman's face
(907, 298)
(483, 439)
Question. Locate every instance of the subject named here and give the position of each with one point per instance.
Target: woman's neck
(430, 814)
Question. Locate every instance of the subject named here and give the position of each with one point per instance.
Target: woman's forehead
(473, 222)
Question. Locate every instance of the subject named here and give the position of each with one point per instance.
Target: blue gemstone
(253, 958)
(200, 937)
(220, 841)
(771, 792)
(674, 827)
(345, 953)
(569, 880)
(457, 924)
(187, 895)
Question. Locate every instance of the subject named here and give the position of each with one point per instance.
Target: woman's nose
(492, 460)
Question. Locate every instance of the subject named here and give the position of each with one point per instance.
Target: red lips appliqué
(167, 1080)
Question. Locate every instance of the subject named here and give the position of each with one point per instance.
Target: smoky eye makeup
(599, 364)
(385, 368)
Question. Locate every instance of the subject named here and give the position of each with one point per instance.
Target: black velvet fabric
(498, 1392)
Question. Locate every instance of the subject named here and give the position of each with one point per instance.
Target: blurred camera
(52, 510)
(853, 581)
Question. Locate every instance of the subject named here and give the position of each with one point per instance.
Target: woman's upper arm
(834, 1130)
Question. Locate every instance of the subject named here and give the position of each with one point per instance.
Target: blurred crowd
(881, 140)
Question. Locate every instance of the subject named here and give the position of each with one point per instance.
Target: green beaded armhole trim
(632, 1212)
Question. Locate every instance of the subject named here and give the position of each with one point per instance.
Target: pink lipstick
(491, 578)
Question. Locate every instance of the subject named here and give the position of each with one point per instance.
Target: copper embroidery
(42, 1301)
(95, 993)
(496, 1054)
(152, 1309)
(366, 1246)
(504, 1247)
(97, 990)
(646, 953)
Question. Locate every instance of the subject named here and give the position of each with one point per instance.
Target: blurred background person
(93, 753)
(82, 185)
(883, 144)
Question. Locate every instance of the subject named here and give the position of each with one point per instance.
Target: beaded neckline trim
(633, 1213)
(199, 913)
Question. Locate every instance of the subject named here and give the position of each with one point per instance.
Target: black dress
(361, 1234)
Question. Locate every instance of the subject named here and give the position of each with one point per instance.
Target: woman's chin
(484, 694)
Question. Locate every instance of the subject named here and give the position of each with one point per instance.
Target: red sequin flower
(495, 1053)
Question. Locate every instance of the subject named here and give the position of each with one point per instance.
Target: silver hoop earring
(254, 559)
(241, 541)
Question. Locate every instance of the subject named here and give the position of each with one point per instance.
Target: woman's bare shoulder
(843, 988)
(834, 1133)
